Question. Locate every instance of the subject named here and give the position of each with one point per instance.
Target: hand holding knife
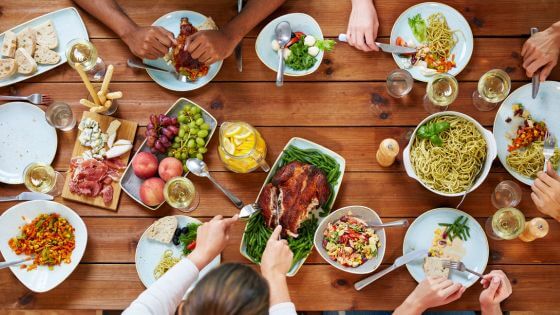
(394, 49)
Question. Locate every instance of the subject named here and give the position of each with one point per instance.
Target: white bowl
(299, 22)
(370, 217)
(41, 279)
(491, 152)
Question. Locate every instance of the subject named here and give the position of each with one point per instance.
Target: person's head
(231, 289)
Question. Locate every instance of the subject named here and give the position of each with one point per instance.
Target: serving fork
(37, 99)
(458, 265)
(248, 210)
(548, 149)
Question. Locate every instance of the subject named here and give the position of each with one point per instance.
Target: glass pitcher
(242, 149)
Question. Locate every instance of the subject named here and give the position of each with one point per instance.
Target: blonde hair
(231, 289)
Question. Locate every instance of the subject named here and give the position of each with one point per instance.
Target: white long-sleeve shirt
(164, 296)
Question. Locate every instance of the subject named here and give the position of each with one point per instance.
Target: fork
(458, 265)
(6, 264)
(37, 99)
(548, 150)
(248, 210)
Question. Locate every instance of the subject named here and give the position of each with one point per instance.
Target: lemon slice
(235, 129)
(237, 142)
(228, 146)
(244, 133)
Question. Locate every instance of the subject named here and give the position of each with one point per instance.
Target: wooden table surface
(343, 106)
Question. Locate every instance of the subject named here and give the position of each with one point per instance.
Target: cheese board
(95, 168)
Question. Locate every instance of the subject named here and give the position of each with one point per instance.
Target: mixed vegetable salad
(302, 50)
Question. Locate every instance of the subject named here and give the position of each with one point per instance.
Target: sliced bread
(46, 35)
(208, 24)
(8, 67)
(25, 63)
(163, 229)
(45, 56)
(27, 40)
(433, 267)
(9, 44)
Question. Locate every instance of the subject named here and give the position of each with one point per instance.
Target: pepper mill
(387, 152)
(536, 228)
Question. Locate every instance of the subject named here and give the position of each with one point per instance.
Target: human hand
(209, 46)
(541, 51)
(496, 289)
(546, 192)
(211, 239)
(431, 292)
(150, 42)
(277, 257)
(363, 25)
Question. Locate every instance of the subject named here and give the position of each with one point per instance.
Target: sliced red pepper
(296, 36)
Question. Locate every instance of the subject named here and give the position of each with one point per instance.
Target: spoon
(135, 63)
(199, 168)
(398, 223)
(283, 33)
(6, 264)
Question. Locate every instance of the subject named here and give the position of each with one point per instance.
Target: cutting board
(126, 131)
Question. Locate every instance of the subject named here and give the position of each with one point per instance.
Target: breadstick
(87, 103)
(107, 79)
(114, 95)
(98, 109)
(102, 97)
(107, 104)
(87, 83)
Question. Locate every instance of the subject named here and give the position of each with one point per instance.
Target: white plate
(25, 137)
(68, 25)
(299, 22)
(543, 108)
(421, 233)
(490, 153)
(149, 253)
(301, 144)
(370, 217)
(462, 50)
(171, 22)
(41, 279)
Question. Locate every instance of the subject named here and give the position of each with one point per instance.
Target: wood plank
(342, 64)
(315, 287)
(484, 17)
(126, 131)
(113, 240)
(51, 312)
(391, 194)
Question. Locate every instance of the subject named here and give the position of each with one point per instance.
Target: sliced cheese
(112, 132)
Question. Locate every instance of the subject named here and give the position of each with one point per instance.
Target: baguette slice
(26, 64)
(8, 67)
(9, 44)
(163, 229)
(27, 40)
(433, 267)
(45, 56)
(46, 35)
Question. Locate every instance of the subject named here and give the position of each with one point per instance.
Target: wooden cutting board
(126, 131)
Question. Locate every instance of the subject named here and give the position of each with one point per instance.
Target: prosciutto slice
(93, 178)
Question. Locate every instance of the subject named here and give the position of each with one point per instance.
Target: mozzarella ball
(287, 53)
(309, 40)
(275, 45)
(313, 51)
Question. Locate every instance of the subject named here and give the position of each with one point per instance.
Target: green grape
(200, 141)
(191, 143)
(192, 155)
(192, 124)
(202, 133)
(185, 168)
(197, 116)
(181, 133)
(197, 110)
(175, 145)
(185, 127)
(177, 155)
(199, 121)
(199, 156)
(202, 150)
(205, 126)
(194, 131)
(183, 156)
(170, 153)
(182, 118)
(193, 110)
(177, 140)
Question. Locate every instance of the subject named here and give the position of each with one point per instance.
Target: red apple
(170, 167)
(145, 165)
(151, 191)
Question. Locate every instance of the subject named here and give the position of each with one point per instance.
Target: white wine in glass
(506, 224)
(42, 178)
(81, 51)
(180, 193)
(441, 91)
(493, 87)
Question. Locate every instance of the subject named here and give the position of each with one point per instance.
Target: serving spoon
(199, 168)
(397, 223)
(283, 33)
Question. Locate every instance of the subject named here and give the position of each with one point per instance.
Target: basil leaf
(436, 140)
(423, 132)
(441, 126)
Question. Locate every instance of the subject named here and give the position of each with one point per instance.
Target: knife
(394, 49)
(535, 79)
(27, 195)
(238, 56)
(403, 260)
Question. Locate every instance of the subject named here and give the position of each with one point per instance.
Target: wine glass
(441, 91)
(505, 224)
(506, 194)
(82, 51)
(42, 178)
(493, 87)
(180, 193)
(399, 83)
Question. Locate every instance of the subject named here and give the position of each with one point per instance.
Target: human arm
(541, 51)
(213, 45)
(496, 289)
(166, 293)
(363, 25)
(149, 42)
(276, 262)
(546, 192)
(431, 292)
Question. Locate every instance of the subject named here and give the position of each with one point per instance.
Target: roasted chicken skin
(295, 190)
(182, 59)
